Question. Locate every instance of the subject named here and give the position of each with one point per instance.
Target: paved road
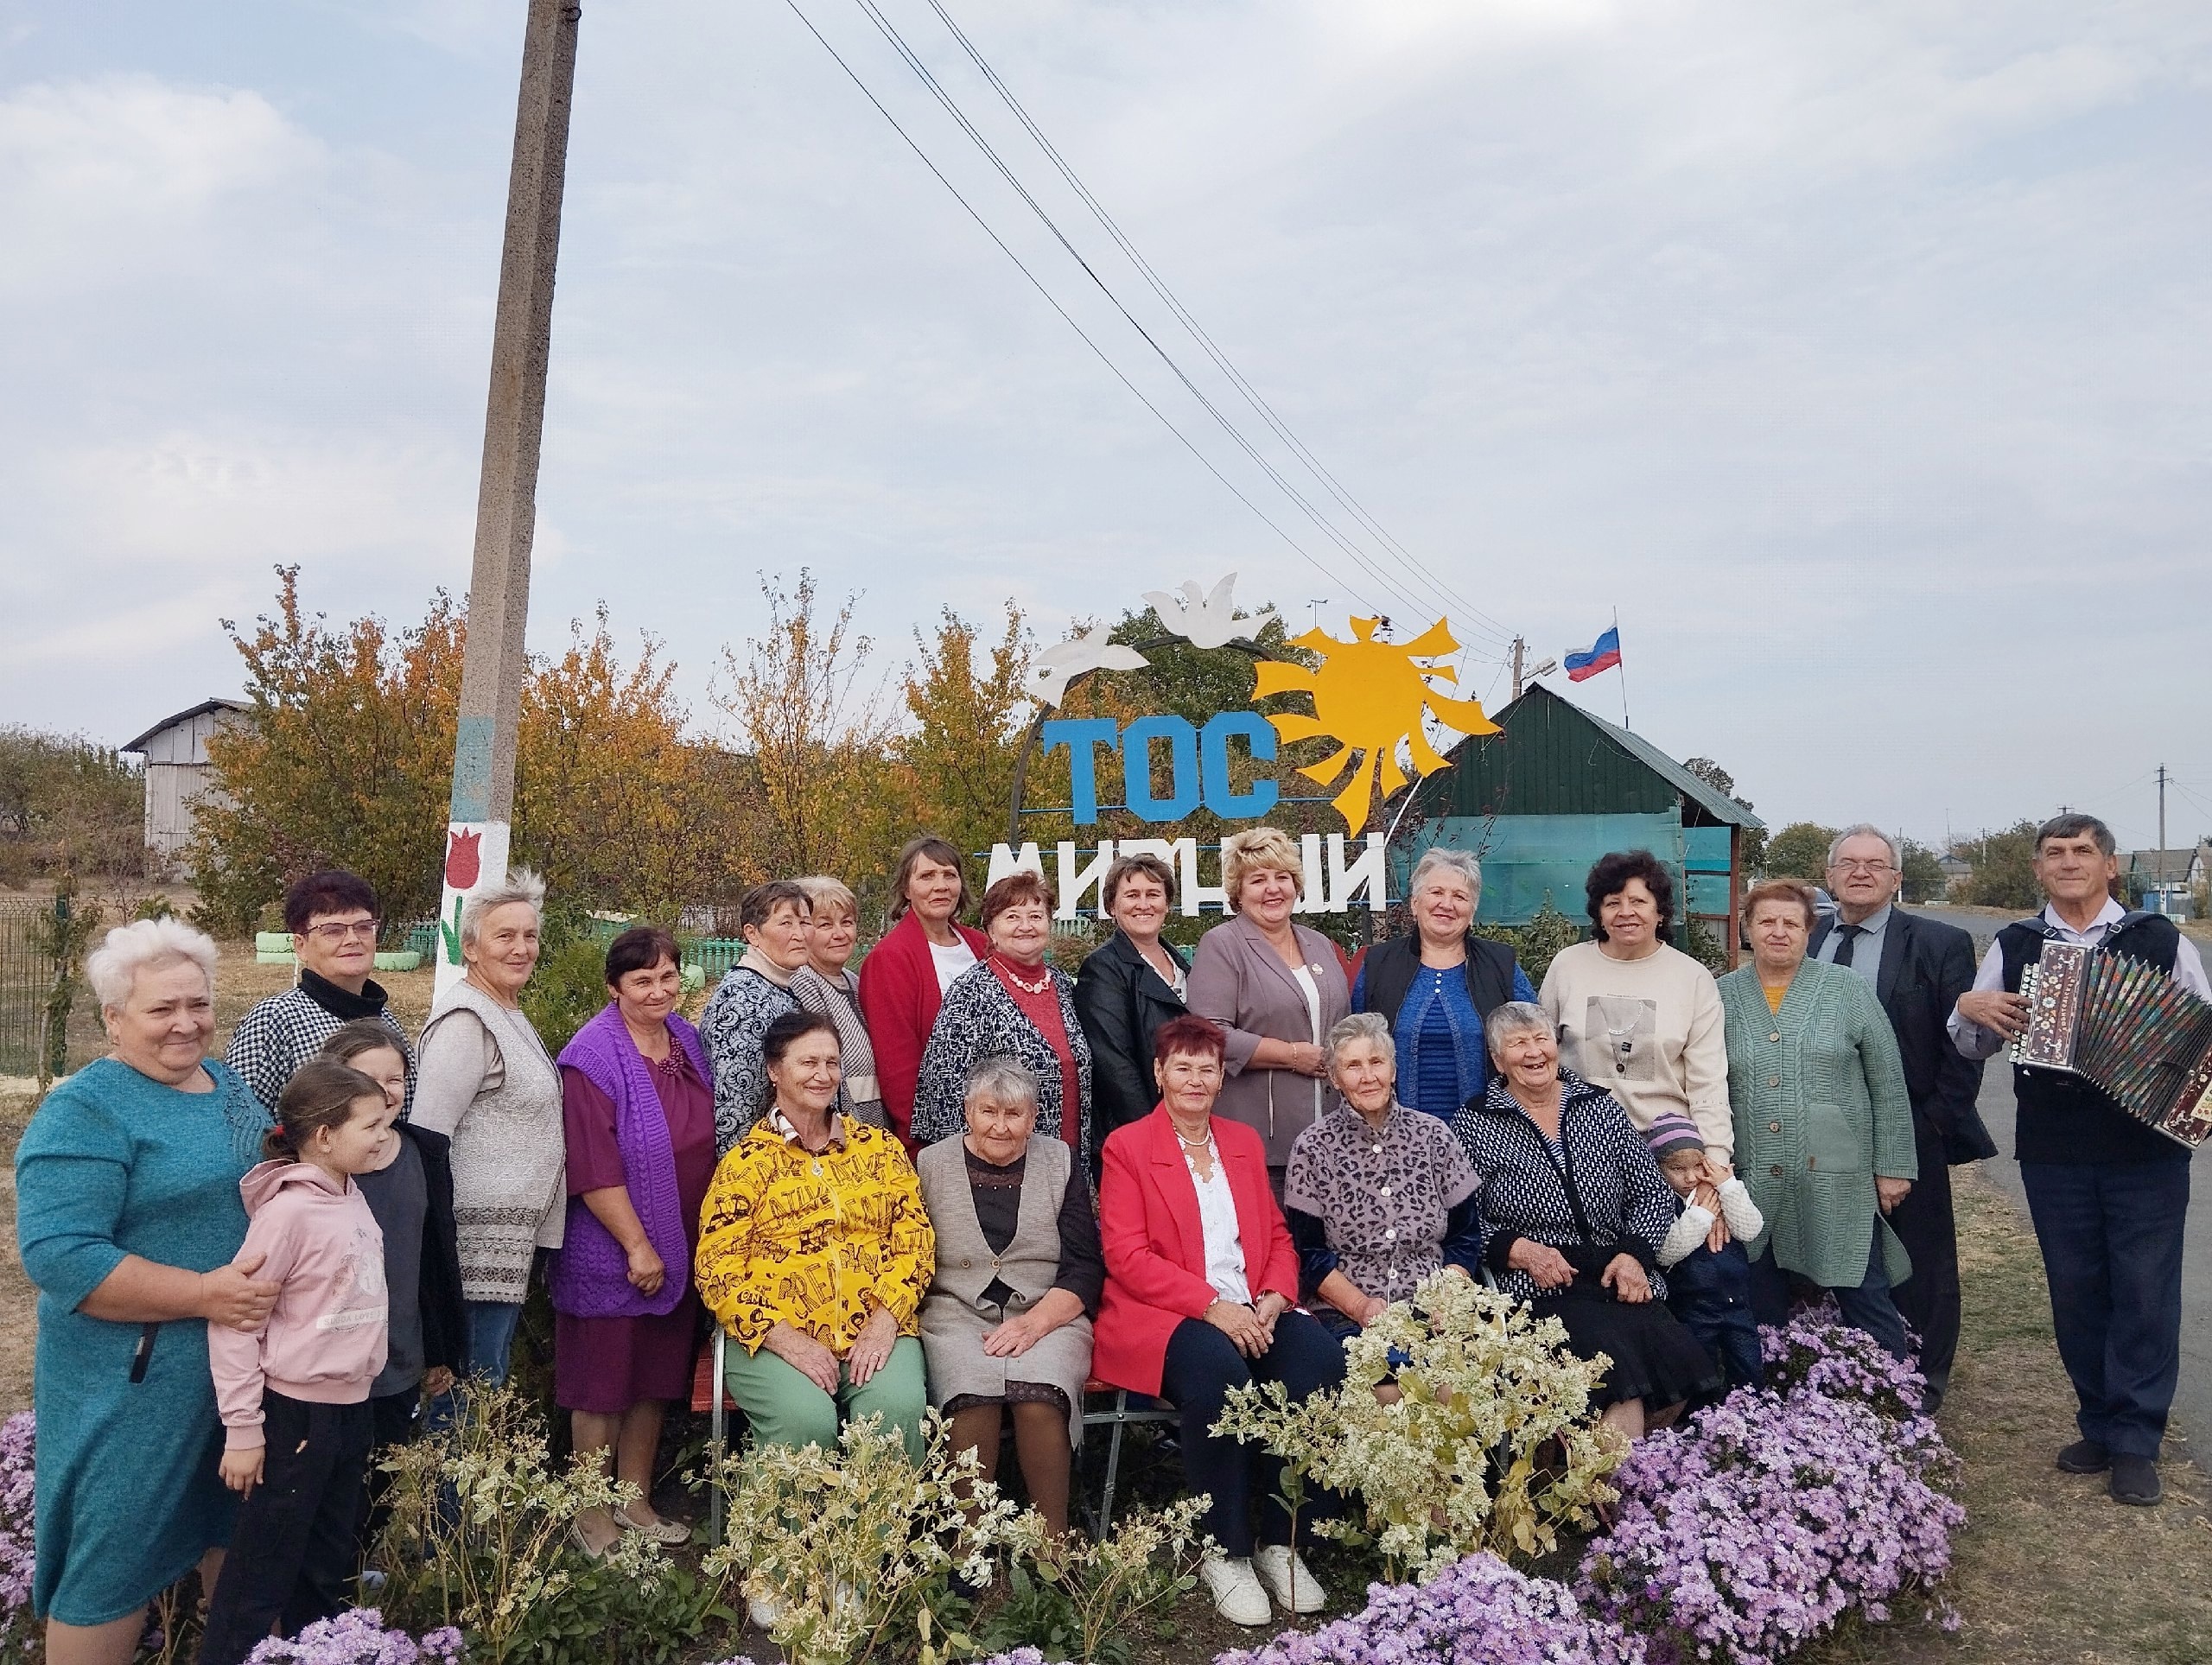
(2193, 1402)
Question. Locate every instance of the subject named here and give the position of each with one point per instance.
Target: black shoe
(2135, 1480)
(2085, 1457)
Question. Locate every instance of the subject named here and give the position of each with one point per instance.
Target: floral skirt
(1653, 1358)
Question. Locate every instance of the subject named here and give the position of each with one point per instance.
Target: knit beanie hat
(1670, 1131)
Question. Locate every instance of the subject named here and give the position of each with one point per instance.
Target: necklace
(1006, 969)
(1200, 1142)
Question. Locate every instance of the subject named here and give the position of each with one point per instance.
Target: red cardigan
(1156, 1249)
(899, 999)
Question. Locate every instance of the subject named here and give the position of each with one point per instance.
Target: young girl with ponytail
(294, 1393)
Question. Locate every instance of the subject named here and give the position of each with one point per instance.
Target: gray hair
(1865, 829)
(1513, 1018)
(2073, 824)
(1363, 1025)
(1002, 1081)
(1459, 861)
(141, 945)
(520, 885)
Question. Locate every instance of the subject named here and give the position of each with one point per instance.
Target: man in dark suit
(1919, 968)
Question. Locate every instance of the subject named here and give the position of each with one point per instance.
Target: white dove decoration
(1051, 671)
(1204, 621)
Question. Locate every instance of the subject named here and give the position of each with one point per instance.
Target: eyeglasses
(1862, 866)
(337, 931)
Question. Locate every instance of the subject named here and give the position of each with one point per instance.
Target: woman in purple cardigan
(637, 1109)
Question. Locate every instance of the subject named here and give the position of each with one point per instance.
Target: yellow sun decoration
(1369, 696)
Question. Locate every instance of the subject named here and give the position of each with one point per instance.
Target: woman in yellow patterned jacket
(813, 1254)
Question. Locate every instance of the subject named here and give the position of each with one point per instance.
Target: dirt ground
(2050, 1571)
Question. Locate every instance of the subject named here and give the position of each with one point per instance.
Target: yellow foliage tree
(814, 743)
(969, 712)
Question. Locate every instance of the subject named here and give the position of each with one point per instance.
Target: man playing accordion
(2106, 1192)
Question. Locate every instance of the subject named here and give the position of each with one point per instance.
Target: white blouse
(1217, 1222)
(950, 959)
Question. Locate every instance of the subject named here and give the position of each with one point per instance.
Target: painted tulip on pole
(507, 498)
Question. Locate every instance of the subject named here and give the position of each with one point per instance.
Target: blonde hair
(114, 966)
(1258, 849)
(825, 891)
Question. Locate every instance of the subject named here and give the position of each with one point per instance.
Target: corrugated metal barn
(1557, 789)
(178, 775)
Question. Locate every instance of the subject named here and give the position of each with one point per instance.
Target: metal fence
(26, 983)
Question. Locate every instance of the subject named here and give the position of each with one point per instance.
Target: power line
(1103, 359)
(1437, 586)
(913, 61)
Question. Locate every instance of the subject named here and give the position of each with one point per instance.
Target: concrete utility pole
(506, 494)
(2162, 838)
(1522, 677)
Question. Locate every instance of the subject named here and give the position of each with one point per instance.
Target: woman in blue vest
(1435, 987)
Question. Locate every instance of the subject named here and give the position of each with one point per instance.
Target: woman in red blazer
(904, 977)
(1201, 1286)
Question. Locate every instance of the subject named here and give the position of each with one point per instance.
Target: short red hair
(1194, 1036)
(1783, 889)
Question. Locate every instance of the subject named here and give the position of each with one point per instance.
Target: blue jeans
(2111, 1236)
(490, 1334)
(1868, 1307)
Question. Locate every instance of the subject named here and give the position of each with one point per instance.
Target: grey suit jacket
(1242, 984)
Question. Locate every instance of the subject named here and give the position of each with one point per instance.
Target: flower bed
(1776, 1513)
(1477, 1609)
(15, 1543)
(359, 1637)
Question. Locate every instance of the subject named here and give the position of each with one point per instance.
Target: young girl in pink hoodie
(293, 1394)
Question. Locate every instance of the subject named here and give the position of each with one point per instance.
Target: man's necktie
(1847, 939)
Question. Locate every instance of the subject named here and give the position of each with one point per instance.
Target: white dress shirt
(1977, 1042)
(1218, 1222)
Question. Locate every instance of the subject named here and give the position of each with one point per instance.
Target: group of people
(961, 1179)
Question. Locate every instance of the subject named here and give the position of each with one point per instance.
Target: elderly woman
(1277, 988)
(128, 1217)
(904, 978)
(774, 920)
(1132, 984)
(1015, 1004)
(484, 1080)
(1639, 1018)
(1573, 1210)
(813, 1254)
(639, 1120)
(1201, 1297)
(1377, 1197)
(1007, 1323)
(1435, 987)
(1823, 1122)
(824, 987)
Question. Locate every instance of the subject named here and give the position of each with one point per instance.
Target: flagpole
(1620, 666)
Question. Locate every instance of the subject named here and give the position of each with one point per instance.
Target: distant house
(2167, 880)
(1557, 789)
(178, 778)
(1957, 871)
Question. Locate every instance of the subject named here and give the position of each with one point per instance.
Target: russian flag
(1601, 655)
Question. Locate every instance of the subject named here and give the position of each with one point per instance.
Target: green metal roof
(1553, 758)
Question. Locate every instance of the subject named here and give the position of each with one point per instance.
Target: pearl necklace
(1006, 969)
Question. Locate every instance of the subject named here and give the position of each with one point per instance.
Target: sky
(1860, 357)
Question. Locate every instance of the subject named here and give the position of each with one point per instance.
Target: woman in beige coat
(1006, 1321)
(1277, 988)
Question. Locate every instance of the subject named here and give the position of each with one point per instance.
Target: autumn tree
(814, 739)
(1925, 879)
(611, 803)
(68, 806)
(344, 759)
(969, 714)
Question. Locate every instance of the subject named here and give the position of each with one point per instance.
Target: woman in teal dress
(128, 1217)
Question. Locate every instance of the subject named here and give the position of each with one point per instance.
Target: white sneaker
(1235, 1590)
(765, 1611)
(1288, 1579)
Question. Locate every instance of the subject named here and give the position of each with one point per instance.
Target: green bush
(1537, 943)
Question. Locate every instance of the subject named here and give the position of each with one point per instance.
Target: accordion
(2125, 1027)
